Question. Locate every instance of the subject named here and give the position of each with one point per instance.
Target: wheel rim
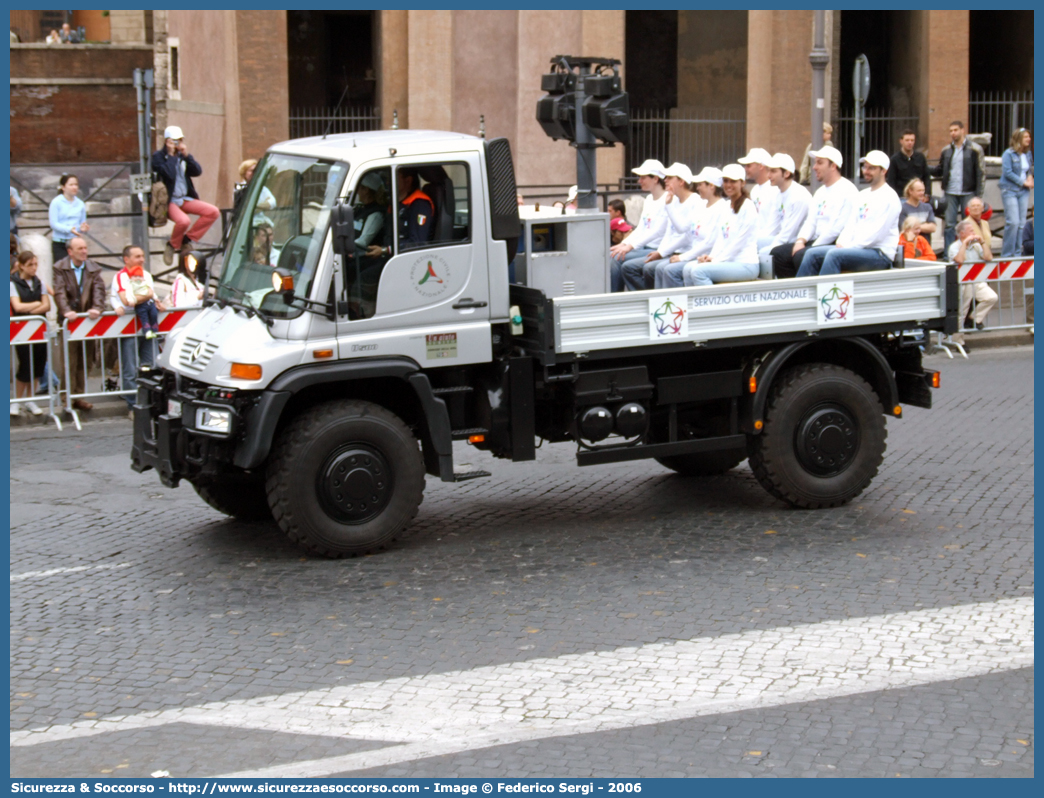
(827, 440)
(354, 484)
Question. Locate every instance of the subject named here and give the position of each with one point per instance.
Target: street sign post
(860, 91)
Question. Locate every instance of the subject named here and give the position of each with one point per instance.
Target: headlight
(210, 420)
(174, 408)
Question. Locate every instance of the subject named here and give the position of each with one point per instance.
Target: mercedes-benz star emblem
(196, 352)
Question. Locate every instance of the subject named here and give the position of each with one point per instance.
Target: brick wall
(75, 102)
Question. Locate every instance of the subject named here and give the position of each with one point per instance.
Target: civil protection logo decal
(430, 276)
(668, 317)
(836, 302)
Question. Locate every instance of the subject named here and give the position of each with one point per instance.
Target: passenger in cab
(703, 230)
(681, 204)
(734, 256)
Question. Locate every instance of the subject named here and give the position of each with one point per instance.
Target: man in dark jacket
(962, 167)
(79, 288)
(176, 168)
(908, 164)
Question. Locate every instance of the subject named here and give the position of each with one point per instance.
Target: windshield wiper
(246, 306)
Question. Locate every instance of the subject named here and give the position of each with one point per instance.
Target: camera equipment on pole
(584, 103)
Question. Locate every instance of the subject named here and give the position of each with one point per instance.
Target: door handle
(468, 302)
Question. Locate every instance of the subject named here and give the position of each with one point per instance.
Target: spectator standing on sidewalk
(16, 210)
(1016, 185)
(969, 247)
(805, 170)
(67, 215)
(962, 167)
(176, 167)
(915, 206)
(137, 349)
(79, 288)
(908, 164)
(187, 290)
(29, 297)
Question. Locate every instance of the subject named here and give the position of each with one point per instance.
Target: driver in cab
(416, 215)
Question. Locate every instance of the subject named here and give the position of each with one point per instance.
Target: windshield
(282, 222)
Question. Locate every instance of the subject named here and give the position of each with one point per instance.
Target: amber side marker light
(752, 384)
(936, 379)
(897, 411)
(246, 371)
(476, 438)
(759, 424)
(320, 354)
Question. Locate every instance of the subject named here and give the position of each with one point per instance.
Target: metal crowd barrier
(26, 333)
(92, 335)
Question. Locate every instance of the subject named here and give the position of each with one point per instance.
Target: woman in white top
(187, 291)
(734, 256)
(703, 229)
(682, 204)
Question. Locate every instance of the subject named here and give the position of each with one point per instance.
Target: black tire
(240, 497)
(705, 464)
(345, 478)
(823, 439)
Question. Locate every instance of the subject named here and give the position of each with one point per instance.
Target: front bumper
(173, 444)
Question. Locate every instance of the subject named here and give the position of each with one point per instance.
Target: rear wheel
(345, 478)
(823, 439)
(241, 497)
(706, 464)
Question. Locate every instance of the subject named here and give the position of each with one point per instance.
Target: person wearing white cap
(867, 242)
(648, 233)
(703, 229)
(832, 204)
(791, 208)
(681, 203)
(763, 194)
(734, 256)
(176, 168)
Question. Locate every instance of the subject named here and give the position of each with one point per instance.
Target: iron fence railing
(306, 122)
(881, 131)
(697, 137)
(999, 113)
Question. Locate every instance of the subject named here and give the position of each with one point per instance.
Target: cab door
(427, 299)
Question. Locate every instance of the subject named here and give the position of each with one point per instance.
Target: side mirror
(343, 226)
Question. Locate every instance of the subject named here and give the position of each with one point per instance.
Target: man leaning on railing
(79, 288)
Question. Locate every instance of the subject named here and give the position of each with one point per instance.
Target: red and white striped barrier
(28, 330)
(110, 325)
(1013, 269)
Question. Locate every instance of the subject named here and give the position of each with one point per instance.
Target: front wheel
(241, 497)
(345, 478)
(823, 439)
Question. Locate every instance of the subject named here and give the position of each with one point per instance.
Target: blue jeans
(955, 207)
(130, 357)
(711, 273)
(813, 260)
(854, 259)
(1016, 206)
(671, 275)
(765, 248)
(637, 274)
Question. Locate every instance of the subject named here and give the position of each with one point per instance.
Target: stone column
(603, 37)
(941, 92)
(430, 77)
(393, 72)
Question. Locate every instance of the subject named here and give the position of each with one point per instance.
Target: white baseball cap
(373, 181)
(650, 167)
(709, 174)
(734, 172)
(173, 132)
(876, 158)
(782, 161)
(678, 169)
(830, 153)
(756, 155)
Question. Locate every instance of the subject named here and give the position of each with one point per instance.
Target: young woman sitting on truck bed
(734, 256)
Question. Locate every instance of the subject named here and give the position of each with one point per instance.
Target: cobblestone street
(546, 621)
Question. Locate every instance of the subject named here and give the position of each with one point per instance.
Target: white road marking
(603, 691)
(74, 570)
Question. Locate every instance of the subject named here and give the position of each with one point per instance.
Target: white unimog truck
(323, 380)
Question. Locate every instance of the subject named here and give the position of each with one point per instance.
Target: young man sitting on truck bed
(868, 241)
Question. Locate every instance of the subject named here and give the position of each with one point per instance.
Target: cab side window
(434, 205)
(374, 239)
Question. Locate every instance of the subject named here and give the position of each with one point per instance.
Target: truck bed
(564, 328)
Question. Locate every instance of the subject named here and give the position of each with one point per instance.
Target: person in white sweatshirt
(648, 233)
(681, 204)
(703, 229)
(763, 194)
(868, 241)
(791, 209)
(734, 256)
(831, 206)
